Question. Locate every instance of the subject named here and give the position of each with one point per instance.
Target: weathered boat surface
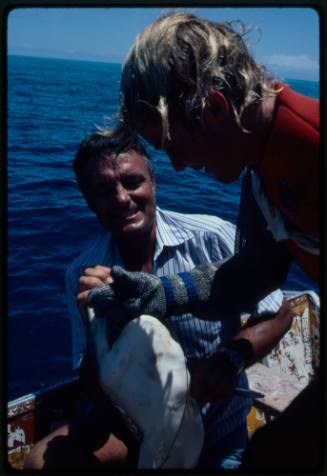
(32, 416)
(280, 377)
(291, 365)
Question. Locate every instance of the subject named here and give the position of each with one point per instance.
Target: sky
(284, 39)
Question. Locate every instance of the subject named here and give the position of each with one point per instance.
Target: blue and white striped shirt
(183, 242)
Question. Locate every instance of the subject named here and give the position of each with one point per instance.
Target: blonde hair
(179, 59)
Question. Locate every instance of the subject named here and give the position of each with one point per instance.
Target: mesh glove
(135, 292)
(142, 293)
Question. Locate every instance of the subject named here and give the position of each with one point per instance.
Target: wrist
(234, 358)
(239, 353)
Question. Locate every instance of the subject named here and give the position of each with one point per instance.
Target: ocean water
(52, 105)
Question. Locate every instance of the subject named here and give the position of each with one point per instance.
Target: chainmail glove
(143, 293)
(135, 292)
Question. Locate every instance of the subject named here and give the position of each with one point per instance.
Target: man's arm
(214, 379)
(264, 334)
(211, 291)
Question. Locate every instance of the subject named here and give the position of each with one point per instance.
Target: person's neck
(137, 252)
(258, 121)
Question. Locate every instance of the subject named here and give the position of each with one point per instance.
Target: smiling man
(132, 195)
(120, 189)
(118, 183)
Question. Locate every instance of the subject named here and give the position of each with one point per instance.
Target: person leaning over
(117, 181)
(192, 88)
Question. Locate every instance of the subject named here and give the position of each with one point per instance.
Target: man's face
(122, 195)
(198, 147)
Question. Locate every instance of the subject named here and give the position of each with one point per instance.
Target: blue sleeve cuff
(169, 292)
(189, 285)
(169, 285)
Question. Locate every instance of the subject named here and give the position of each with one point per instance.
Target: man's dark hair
(101, 145)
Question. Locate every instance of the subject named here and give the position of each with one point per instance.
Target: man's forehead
(129, 158)
(126, 162)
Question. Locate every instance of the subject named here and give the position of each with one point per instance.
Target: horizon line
(119, 64)
(65, 59)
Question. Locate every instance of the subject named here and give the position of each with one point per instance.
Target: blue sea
(52, 105)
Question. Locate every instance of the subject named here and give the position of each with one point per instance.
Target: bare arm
(263, 336)
(214, 379)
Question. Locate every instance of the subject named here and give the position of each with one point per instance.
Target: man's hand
(92, 278)
(212, 380)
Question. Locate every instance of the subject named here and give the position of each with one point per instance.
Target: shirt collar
(169, 232)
